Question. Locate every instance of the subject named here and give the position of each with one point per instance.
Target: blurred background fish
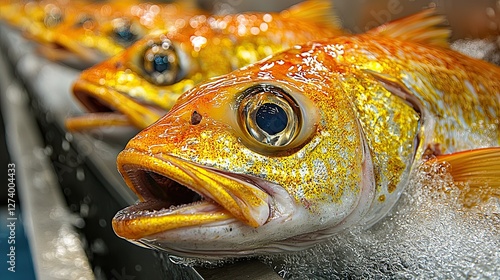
(82, 33)
(139, 85)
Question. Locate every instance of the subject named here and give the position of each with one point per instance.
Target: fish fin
(320, 11)
(477, 173)
(425, 27)
(96, 120)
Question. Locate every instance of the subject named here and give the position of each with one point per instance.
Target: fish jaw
(69, 52)
(74, 49)
(225, 196)
(109, 107)
(248, 216)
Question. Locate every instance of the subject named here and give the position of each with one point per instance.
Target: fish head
(37, 19)
(144, 81)
(257, 161)
(97, 31)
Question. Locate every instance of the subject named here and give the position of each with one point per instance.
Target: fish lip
(254, 206)
(88, 55)
(84, 90)
(82, 57)
(103, 99)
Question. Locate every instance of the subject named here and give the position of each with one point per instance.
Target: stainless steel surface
(56, 247)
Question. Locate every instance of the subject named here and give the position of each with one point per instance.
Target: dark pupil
(161, 63)
(124, 34)
(271, 118)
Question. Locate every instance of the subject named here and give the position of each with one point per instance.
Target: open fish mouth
(109, 107)
(175, 193)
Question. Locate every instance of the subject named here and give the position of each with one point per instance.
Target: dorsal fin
(479, 169)
(320, 11)
(425, 27)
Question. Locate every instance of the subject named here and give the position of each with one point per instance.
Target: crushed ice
(429, 234)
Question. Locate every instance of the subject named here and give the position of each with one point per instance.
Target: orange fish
(83, 33)
(138, 86)
(284, 153)
(38, 19)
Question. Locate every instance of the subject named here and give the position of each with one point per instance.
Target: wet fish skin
(368, 110)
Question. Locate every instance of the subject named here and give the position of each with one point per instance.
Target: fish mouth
(80, 58)
(109, 107)
(175, 193)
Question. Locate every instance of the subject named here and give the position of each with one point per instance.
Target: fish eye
(160, 62)
(270, 115)
(124, 32)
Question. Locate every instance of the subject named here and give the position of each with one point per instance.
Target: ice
(429, 234)
(486, 49)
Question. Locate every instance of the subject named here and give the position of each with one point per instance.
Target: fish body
(284, 153)
(143, 82)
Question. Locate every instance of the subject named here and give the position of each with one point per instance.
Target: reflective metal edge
(56, 248)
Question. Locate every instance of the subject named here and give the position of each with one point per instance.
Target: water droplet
(80, 174)
(65, 145)
(48, 150)
(99, 246)
(68, 136)
(87, 199)
(176, 260)
(84, 210)
(79, 223)
(102, 222)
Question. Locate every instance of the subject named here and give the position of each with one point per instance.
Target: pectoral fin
(477, 171)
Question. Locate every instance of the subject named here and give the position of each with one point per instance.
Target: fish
(138, 86)
(103, 30)
(38, 19)
(282, 154)
(83, 33)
